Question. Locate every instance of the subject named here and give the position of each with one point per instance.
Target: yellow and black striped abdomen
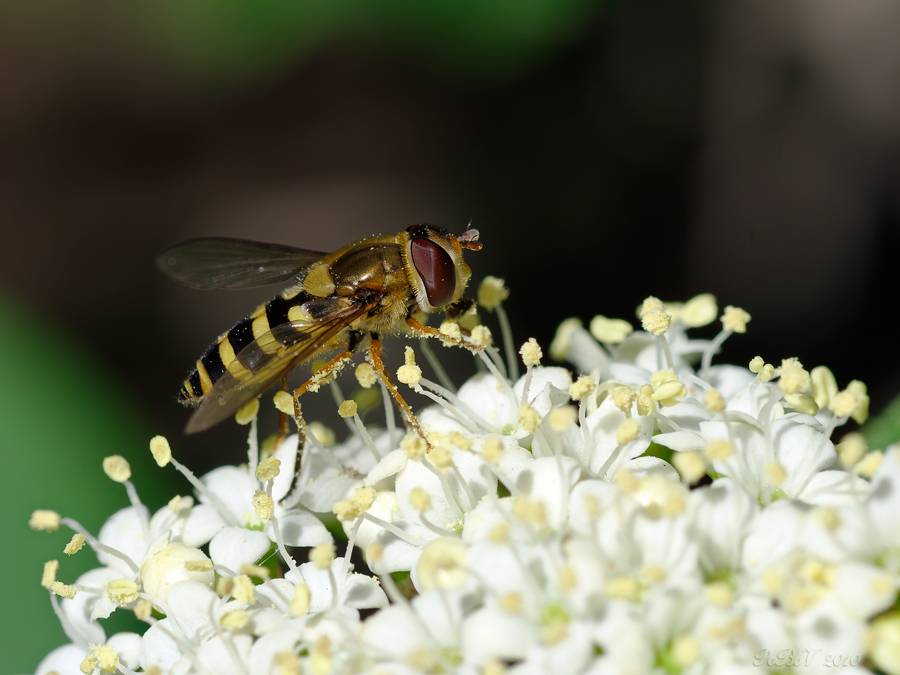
(221, 356)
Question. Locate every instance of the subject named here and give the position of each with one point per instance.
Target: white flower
(539, 524)
(230, 490)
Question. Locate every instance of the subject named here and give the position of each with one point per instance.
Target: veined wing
(269, 358)
(220, 262)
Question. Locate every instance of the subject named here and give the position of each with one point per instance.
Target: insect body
(339, 301)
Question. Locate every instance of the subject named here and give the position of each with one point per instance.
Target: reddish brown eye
(435, 267)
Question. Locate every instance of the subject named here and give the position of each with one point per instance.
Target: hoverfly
(344, 301)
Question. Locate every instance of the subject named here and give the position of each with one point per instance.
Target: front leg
(378, 364)
(313, 383)
(421, 330)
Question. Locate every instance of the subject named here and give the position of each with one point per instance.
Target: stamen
(279, 543)
(98, 546)
(411, 539)
(390, 422)
(247, 412)
(452, 404)
(348, 409)
(435, 365)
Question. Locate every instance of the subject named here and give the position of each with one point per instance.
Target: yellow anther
(623, 398)
(481, 335)
(610, 331)
(699, 310)
(106, 657)
(75, 544)
(756, 364)
(860, 390)
(441, 455)
(51, 567)
(347, 408)
(583, 387)
(234, 619)
(529, 420)
(460, 441)
(263, 505)
(442, 564)
(268, 469)
(735, 319)
(562, 418)
(844, 404)
(323, 434)
(869, 464)
(645, 404)
(122, 591)
(669, 393)
(492, 449)
(655, 321)
(409, 375)
(204, 565)
(531, 353)
(243, 589)
(322, 555)
(651, 303)
(562, 341)
(718, 450)
(451, 330)
(62, 590)
(420, 500)
(660, 377)
(160, 449)
(44, 520)
(802, 403)
(794, 379)
(824, 386)
(247, 412)
(776, 473)
(530, 511)
(413, 446)
(143, 611)
(852, 448)
(366, 375)
(284, 402)
(713, 401)
(409, 356)
(629, 430)
(491, 293)
(257, 571)
(690, 465)
(299, 604)
(117, 468)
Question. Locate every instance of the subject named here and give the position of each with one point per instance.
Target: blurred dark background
(605, 150)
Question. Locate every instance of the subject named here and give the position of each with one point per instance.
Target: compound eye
(435, 267)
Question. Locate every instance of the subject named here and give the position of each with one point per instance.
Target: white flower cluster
(542, 530)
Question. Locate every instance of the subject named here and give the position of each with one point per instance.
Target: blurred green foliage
(884, 429)
(475, 39)
(60, 416)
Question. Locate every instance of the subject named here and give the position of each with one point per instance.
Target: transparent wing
(269, 358)
(220, 262)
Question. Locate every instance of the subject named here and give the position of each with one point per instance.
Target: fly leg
(282, 419)
(313, 383)
(378, 364)
(421, 330)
